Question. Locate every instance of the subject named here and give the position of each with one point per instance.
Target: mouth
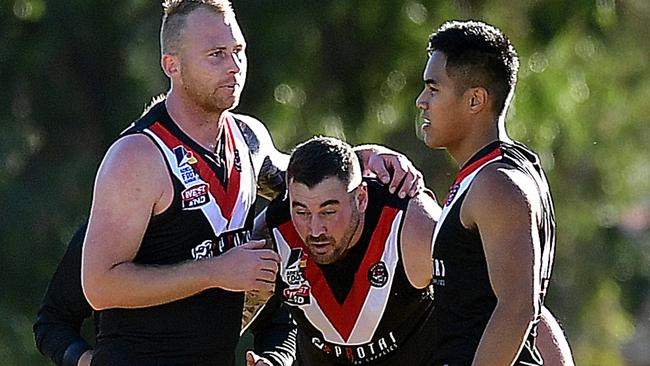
(231, 86)
(425, 122)
(319, 247)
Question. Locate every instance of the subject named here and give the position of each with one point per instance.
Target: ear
(170, 65)
(362, 197)
(478, 99)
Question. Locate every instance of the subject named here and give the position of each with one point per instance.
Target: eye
(328, 213)
(217, 53)
(301, 213)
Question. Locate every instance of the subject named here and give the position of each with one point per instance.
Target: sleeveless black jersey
(464, 300)
(362, 309)
(211, 212)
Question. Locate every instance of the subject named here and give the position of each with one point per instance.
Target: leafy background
(74, 73)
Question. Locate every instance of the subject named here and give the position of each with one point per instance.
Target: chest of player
(213, 204)
(354, 317)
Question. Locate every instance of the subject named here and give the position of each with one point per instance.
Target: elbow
(521, 311)
(95, 291)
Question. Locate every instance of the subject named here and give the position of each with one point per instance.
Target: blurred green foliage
(75, 73)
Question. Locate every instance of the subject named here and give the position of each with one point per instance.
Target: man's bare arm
(269, 163)
(417, 235)
(133, 184)
(498, 207)
(551, 341)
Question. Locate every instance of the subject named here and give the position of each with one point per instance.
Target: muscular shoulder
(499, 191)
(134, 150)
(133, 159)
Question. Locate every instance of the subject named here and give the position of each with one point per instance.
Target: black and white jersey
(464, 300)
(361, 309)
(211, 212)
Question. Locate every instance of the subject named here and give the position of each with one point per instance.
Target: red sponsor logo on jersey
(297, 296)
(195, 196)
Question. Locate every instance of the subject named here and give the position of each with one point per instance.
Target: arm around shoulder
(269, 163)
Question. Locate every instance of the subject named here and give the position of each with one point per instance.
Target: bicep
(126, 190)
(498, 208)
(419, 224)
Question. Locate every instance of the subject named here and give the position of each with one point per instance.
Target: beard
(340, 248)
(208, 98)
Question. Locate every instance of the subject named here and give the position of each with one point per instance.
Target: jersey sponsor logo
(297, 295)
(378, 274)
(225, 241)
(184, 161)
(237, 161)
(299, 291)
(195, 196)
(203, 250)
(184, 156)
(358, 354)
(439, 272)
(230, 240)
(295, 267)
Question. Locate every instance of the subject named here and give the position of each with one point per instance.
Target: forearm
(504, 335)
(130, 285)
(275, 333)
(551, 341)
(59, 341)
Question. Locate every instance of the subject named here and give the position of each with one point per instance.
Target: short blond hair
(174, 14)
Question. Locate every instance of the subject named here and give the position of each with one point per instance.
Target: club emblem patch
(184, 156)
(378, 274)
(452, 193)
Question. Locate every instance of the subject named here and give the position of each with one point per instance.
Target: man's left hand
(252, 359)
(391, 168)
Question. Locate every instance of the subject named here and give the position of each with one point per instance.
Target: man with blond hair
(167, 256)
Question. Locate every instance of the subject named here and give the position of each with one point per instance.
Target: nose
(316, 226)
(420, 101)
(235, 63)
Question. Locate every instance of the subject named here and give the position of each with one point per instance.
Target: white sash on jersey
(458, 189)
(374, 304)
(212, 210)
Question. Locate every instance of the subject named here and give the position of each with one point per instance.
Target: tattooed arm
(269, 163)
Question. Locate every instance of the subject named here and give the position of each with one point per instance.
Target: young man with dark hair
(494, 245)
(167, 257)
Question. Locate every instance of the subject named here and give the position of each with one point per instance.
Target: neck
(493, 130)
(202, 126)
